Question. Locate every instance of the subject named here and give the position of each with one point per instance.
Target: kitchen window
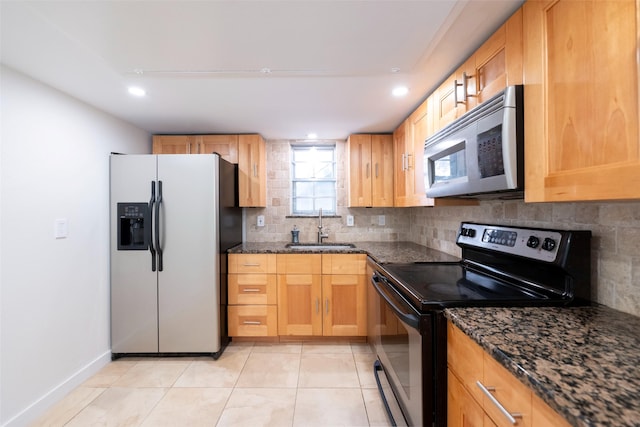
(313, 179)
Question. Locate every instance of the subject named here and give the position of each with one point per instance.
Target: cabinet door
(359, 151)
(452, 97)
(581, 100)
(174, 144)
(344, 305)
(403, 182)
(299, 304)
(252, 175)
(381, 170)
(462, 409)
(499, 60)
(420, 127)
(225, 145)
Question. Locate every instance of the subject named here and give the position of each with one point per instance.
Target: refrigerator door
(134, 295)
(188, 285)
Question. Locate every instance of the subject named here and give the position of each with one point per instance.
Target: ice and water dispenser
(132, 220)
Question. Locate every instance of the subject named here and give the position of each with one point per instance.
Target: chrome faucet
(321, 235)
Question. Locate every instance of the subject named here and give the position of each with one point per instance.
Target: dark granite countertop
(582, 361)
(381, 252)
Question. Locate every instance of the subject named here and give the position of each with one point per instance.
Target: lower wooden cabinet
(312, 301)
(297, 295)
(252, 295)
(469, 366)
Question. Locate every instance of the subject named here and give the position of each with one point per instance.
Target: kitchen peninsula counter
(381, 252)
(584, 362)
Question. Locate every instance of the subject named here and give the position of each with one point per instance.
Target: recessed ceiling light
(395, 70)
(400, 91)
(137, 91)
(312, 135)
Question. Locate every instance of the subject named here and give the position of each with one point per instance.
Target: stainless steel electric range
(500, 266)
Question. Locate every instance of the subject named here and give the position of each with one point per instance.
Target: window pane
(325, 189)
(324, 171)
(302, 189)
(313, 179)
(303, 206)
(303, 171)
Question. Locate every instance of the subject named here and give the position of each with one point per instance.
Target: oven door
(397, 340)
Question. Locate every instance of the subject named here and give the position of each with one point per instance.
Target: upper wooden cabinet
(225, 145)
(454, 96)
(252, 171)
(498, 62)
(408, 142)
(370, 170)
(494, 65)
(581, 100)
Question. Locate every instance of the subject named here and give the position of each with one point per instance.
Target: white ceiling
(203, 63)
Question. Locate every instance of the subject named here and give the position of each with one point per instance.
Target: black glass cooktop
(429, 285)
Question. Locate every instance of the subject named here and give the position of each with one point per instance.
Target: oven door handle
(401, 308)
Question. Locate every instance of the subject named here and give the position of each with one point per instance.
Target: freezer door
(189, 286)
(134, 292)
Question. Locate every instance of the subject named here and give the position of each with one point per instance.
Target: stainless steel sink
(320, 246)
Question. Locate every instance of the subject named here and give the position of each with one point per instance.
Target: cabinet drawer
(514, 396)
(344, 263)
(299, 263)
(253, 320)
(252, 289)
(252, 263)
(465, 359)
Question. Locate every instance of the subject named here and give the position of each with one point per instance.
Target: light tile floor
(251, 384)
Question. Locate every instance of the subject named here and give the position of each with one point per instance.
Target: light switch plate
(349, 220)
(381, 220)
(60, 228)
(260, 220)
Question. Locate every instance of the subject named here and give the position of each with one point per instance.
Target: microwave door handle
(403, 313)
(509, 146)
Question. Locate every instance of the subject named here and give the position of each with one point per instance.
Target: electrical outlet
(349, 220)
(260, 220)
(381, 220)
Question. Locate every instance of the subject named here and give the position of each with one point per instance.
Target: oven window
(450, 164)
(490, 160)
(396, 346)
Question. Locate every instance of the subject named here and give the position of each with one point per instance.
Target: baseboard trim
(53, 396)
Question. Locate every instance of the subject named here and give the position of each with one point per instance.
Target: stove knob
(548, 244)
(533, 242)
(471, 232)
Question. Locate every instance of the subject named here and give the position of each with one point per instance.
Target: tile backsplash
(615, 226)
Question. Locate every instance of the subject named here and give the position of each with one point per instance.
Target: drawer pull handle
(251, 322)
(250, 290)
(251, 265)
(487, 391)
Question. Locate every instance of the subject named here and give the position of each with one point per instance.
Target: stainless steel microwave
(481, 154)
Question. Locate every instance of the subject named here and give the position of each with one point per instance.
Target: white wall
(54, 293)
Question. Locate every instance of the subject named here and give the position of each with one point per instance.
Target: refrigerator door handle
(158, 247)
(149, 230)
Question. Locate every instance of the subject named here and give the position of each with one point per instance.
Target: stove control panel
(538, 244)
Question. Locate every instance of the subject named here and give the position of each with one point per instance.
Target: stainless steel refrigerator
(172, 219)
